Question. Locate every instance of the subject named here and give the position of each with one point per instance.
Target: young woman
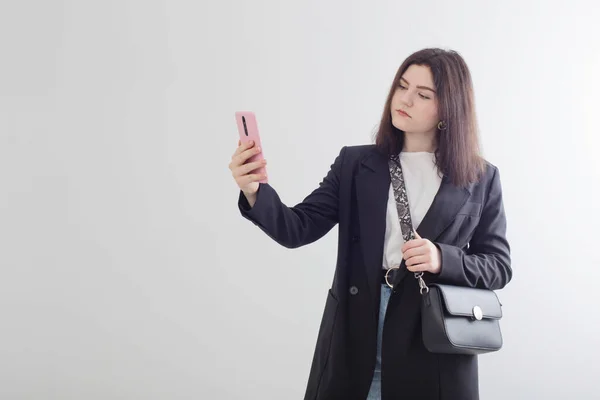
(369, 345)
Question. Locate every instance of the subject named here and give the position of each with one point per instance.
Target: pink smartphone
(248, 130)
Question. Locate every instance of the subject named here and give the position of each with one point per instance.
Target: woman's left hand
(422, 256)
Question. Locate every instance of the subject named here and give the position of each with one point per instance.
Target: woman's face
(415, 96)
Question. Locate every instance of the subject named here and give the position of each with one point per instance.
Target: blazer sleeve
(487, 262)
(303, 223)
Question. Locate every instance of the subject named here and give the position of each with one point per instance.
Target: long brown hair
(458, 151)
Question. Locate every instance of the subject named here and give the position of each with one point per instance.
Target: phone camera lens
(245, 127)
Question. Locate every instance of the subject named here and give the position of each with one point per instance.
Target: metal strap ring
(386, 276)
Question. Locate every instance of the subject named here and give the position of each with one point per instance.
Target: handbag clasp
(477, 313)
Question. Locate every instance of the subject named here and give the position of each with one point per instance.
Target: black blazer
(467, 224)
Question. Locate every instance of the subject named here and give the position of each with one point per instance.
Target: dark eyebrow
(418, 87)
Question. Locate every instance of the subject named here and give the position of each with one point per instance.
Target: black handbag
(454, 319)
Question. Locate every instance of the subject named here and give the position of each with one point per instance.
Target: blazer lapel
(446, 204)
(372, 188)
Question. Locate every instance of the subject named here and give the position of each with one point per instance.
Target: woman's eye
(401, 87)
(424, 97)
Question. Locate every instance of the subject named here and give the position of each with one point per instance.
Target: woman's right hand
(247, 181)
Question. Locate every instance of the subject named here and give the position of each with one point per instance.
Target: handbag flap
(469, 302)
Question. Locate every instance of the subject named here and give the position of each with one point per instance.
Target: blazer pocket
(471, 208)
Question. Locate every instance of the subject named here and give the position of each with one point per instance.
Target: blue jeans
(375, 391)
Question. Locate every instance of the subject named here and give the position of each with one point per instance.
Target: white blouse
(422, 179)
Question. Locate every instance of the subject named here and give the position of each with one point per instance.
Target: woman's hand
(243, 172)
(422, 256)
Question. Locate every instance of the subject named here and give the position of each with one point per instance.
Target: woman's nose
(406, 98)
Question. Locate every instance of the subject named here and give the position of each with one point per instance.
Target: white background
(126, 269)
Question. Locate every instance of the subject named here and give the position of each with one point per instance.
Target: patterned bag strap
(403, 208)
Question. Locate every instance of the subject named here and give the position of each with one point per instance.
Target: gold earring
(442, 126)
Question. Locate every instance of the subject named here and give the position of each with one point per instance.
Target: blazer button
(353, 290)
(356, 239)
